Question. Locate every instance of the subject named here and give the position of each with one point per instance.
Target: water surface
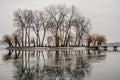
(59, 65)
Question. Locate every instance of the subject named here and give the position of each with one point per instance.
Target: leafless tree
(45, 20)
(8, 40)
(17, 37)
(57, 14)
(36, 25)
(89, 40)
(23, 19)
(100, 39)
(82, 28)
(73, 12)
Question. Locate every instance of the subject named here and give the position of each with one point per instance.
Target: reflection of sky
(104, 14)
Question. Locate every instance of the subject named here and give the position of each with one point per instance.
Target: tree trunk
(29, 37)
(43, 37)
(26, 38)
(22, 36)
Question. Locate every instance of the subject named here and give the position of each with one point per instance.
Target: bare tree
(100, 39)
(89, 40)
(57, 14)
(20, 22)
(8, 40)
(82, 28)
(36, 25)
(45, 20)
(17, 37)
(23, 19)
(71, 16)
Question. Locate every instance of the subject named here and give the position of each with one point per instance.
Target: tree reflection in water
(95, 55)
(52, 65)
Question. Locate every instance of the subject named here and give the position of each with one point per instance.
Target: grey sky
(104, 14)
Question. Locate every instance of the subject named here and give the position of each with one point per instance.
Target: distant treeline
(56, 25)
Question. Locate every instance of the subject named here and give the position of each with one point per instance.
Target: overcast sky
(104, 14)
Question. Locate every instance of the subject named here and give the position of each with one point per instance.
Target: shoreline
(46, 48)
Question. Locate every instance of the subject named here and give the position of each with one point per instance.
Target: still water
(59, 65)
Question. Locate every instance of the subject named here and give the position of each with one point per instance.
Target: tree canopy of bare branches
(62, 25)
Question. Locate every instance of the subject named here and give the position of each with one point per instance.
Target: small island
(55, 26)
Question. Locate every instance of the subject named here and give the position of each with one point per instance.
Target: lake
(59, 65)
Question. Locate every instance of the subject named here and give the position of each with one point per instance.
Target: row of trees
(91, 40)
(56, 25)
